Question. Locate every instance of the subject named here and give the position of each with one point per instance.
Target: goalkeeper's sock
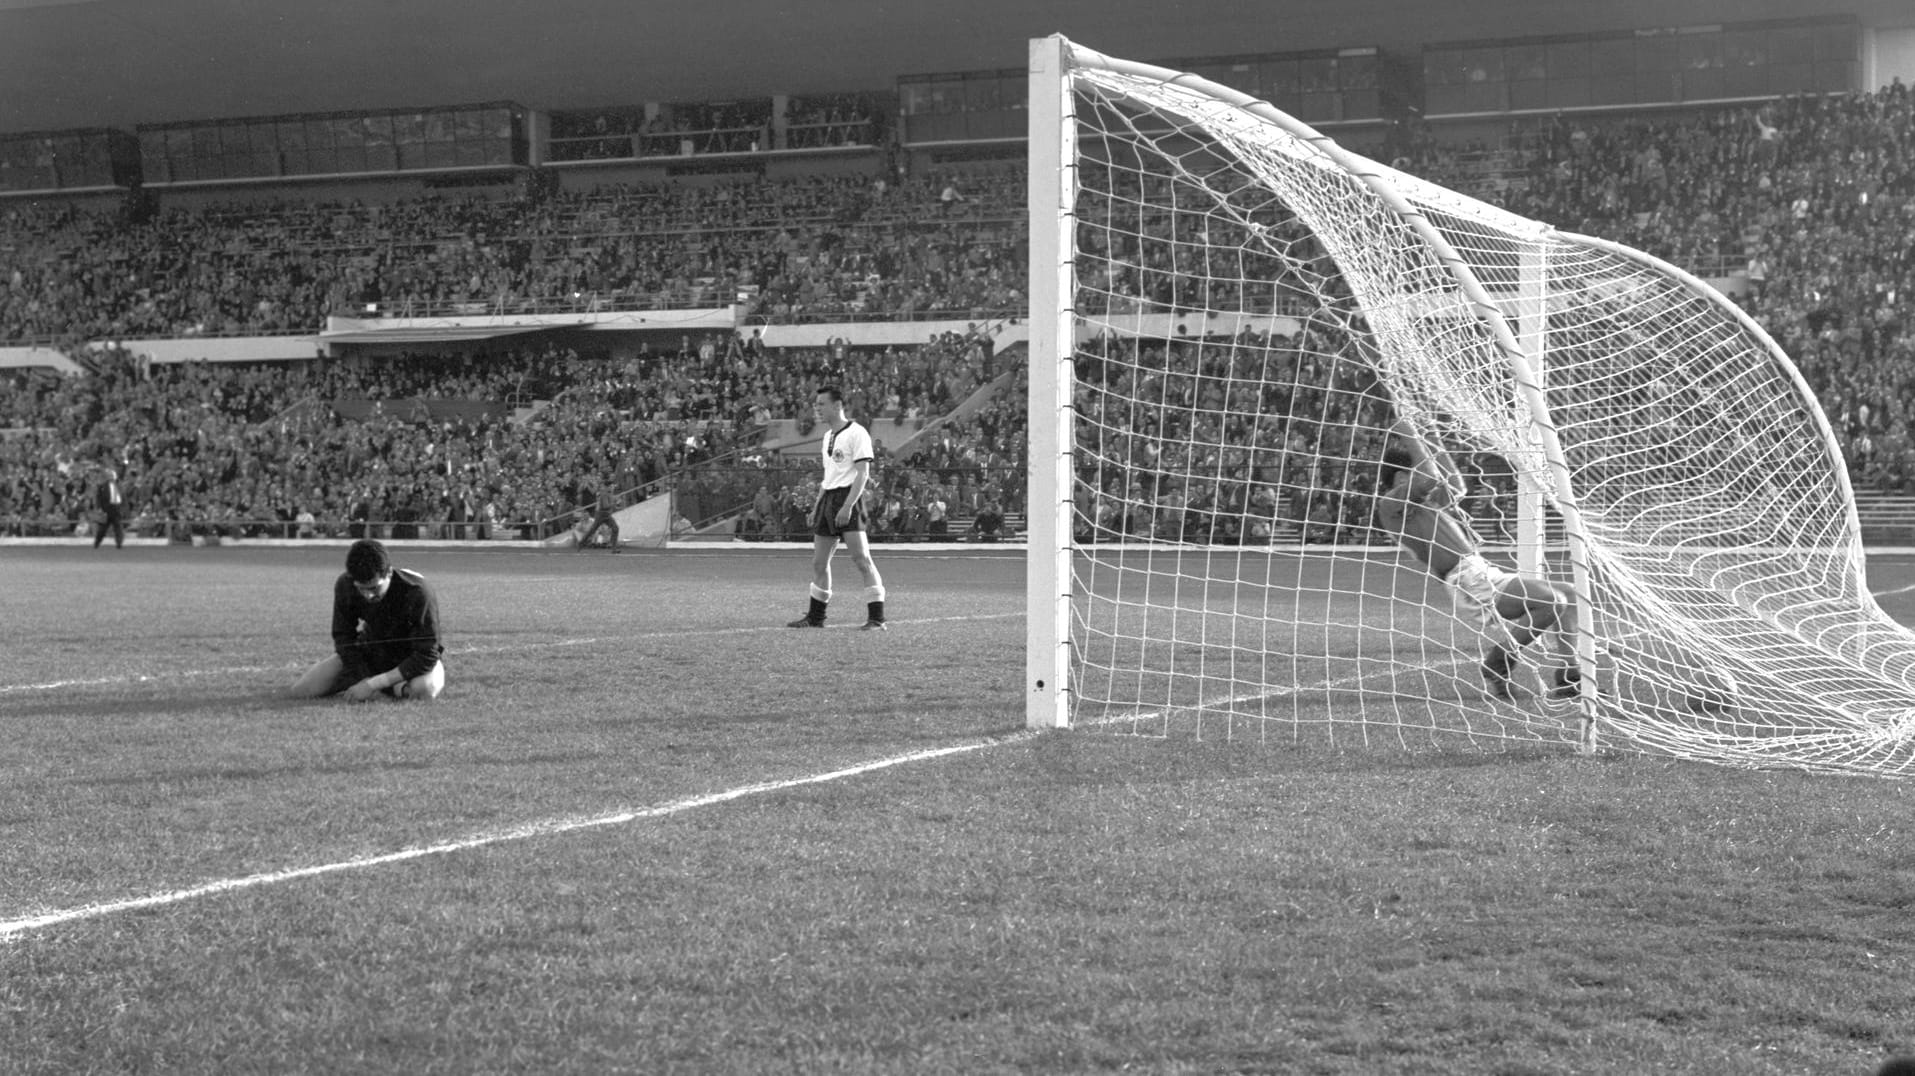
(820, 600)
(1569, 680)
(1497, 667)
(874, 604)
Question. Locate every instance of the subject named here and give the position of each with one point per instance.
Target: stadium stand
(1801, 207)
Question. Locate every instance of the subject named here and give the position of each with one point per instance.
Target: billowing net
(1256, 308)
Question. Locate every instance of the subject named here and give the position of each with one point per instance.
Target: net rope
(1254, 317)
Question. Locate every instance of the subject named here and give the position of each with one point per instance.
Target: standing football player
(840, 512)
(385, 633)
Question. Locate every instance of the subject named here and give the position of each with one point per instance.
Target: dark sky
(119, 63)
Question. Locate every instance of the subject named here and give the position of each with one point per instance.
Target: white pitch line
(9, 929)
(141, 678)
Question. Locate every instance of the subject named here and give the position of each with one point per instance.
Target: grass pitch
(649, 830)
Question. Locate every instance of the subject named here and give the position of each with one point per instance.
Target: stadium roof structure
(122, 63)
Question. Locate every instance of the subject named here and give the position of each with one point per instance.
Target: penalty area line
(13, 928)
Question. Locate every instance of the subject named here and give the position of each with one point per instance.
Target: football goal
(1234, 320)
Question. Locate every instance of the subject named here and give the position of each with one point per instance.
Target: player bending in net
(1420, 488)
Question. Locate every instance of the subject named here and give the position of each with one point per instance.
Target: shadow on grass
(95, 708)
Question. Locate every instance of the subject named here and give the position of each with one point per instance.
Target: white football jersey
(843, 448)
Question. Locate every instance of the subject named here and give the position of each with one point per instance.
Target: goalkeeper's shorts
(824, 517)
(1474, 585)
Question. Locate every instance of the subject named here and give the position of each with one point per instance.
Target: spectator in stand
(935, 512)
(1814, 190)
(988, 524)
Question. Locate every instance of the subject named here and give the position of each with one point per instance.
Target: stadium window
(1702, 84)
(1657, 57)
(1836, 76)
(1443, 67)
(1612, 65)
(408, 129)
(380, 155)
(1357, 72)
(1699, 52)
(1528, 95)
(292, 148)
(179, 153)
(1791, 45)
(1526, 63)
(152, 161)
(318, 136)
(1568, 59)
(1836, 43)
(1277, 81)
(981, 93)
(468, 126)
(1316, 75)
(946, 95)
(1484, 65)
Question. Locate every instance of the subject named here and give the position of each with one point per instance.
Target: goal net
(1230, 316)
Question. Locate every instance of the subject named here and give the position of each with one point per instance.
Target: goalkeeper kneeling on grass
(1418, 503)
(385, 633)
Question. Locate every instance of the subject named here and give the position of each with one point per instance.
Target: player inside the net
(1421, 487)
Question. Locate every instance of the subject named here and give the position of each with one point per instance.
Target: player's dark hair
(367, 561)
(832, 391)
(1396, 459)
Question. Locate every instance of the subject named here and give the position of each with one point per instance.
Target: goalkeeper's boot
(1568, 683)
(805, 622)
(874, 625)
(1496, 672)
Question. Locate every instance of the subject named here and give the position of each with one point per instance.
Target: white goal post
(1233, 322)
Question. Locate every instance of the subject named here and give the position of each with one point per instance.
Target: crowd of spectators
(477, 445)
(1814, 197)
(1810, 197)
(1807, 199)
(823, 248)
(283, 447)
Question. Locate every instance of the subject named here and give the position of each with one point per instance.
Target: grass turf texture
(1056, 903)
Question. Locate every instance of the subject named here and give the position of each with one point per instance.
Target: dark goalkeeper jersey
(400, 629)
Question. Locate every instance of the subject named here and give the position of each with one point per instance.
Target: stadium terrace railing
(577, 303)
(714, 141)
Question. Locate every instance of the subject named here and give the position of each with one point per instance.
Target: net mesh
(1256, 310)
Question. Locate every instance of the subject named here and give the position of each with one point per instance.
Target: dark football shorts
(824, 519)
